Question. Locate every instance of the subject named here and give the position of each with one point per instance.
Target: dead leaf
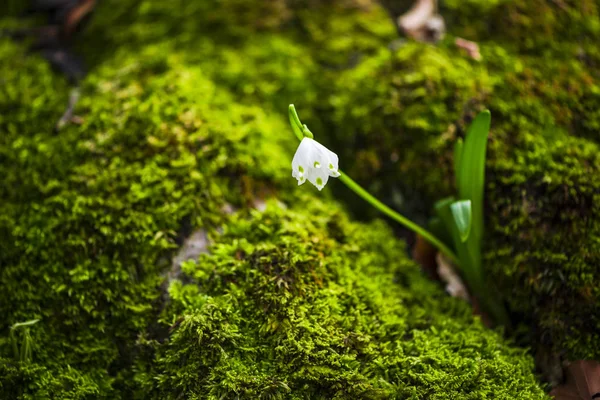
(472, 48)
(422, 22)
(424, 254)
(77, 16)
(454, 284)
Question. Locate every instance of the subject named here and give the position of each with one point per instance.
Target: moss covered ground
(90, 216)
(302, 304)
(184, 112)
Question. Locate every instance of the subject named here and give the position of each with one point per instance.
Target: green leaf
(461, 211)
(438, 228)
(442, 210)
(471, 170)
(458, 150)
(439, 205)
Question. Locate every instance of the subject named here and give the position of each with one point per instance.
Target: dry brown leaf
(422, 22)
(454, 284)
(439, 268)
(472, 48)
(77, 16)
(424, 254)
(417, 16)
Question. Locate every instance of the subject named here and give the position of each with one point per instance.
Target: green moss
(89, 217)
(545, 231)
(304, 304)
(184, 112)
(542, 27)
(260, 61)
(33, 381)
(546, 57)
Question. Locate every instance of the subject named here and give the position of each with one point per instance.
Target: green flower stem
(300, 130)
(356, 188)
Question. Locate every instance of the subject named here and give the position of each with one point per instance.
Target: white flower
(315, 163)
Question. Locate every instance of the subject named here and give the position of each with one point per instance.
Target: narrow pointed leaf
(23, 352)
(461, 211)
(439, 205)
(442, 210)
(458, 149)
(471, 171)
(27, 344)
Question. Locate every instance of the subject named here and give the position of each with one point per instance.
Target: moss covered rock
(545, 234)
(90, 216)
(184, 113)
(290, 303)
(304, 304)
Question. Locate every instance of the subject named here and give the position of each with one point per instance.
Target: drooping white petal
(315, 163)
(301, 161)
(332, 166)
(328, 159)
(318, 177)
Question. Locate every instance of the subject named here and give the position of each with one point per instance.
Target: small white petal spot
(317, 164)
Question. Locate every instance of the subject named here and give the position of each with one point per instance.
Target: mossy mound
(304, 304)
(394, 111)
(545, 234)
(178, 121)
(90, 216)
